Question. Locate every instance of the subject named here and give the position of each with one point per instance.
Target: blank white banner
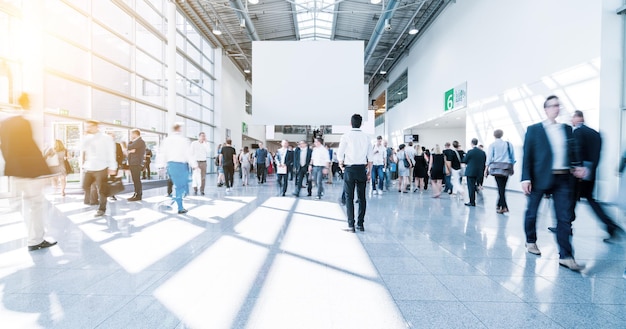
(307, 83)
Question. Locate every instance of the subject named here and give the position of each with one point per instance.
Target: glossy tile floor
(251, 259)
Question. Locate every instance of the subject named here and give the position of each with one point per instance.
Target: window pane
(207, 115)
(108, 75)
(56, 91)
(149, 118)
(66, 58)
(149, 42)
(193, 128)
(110, 46)
(73, 25)
(192, 109)
(110, 108)
(150, 91)
(113, 17)
(148, 67)
(192, 35)
(397, 91)
(150, 15)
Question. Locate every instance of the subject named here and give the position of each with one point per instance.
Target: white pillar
(171, 64)
(33, 64)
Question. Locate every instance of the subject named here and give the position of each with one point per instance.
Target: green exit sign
(449, 100)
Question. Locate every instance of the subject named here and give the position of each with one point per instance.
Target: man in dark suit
(549, 160)
(475, 167)
(589, 144)
(136, 157)
(302, 164)
(26, 167)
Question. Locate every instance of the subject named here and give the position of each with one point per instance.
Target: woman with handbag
(500, 161)
(56, 158)
(404, 169)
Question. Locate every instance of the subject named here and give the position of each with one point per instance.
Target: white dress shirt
(378, 155)
(99, 152)
(558, 144)
(320, 156)
(200, 151)
(355, 148)
(176, 148)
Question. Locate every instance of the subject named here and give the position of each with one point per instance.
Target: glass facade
(106, 60)
(397, 91)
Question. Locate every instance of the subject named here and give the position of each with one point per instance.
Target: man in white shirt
(200, 152)
(98, 156)
(320, 160)
(378, 152)
(284, 162)
(176, 153)
(355, 155)
(410, 153)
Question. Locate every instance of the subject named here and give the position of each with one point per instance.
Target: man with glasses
(549, 161)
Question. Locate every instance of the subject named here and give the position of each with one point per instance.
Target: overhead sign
(455, 98)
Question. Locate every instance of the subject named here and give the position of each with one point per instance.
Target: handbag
(68, 167)
(502, 168)
(392, 167)
(281, 169)
(114, 186)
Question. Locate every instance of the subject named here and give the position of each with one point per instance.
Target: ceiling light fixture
(246, 70)
(253, 2)
(375, 2)
(216, 29)
(382, 71)
(413, 29)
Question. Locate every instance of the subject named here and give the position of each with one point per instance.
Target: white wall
(232, 106)
(512, 54)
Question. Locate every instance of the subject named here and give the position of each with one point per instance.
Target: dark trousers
(501, 182)
(563, 199)
(290, 171)
(300, 174)
(100, 179)
(229, 175)
(355, 176)
(261, 171)
(584, 189)
(135, 174)
(471, 189)
(282, 183)
(146, 171)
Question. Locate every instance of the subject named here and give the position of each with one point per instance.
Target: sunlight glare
(148, 245)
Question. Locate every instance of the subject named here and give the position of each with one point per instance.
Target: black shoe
(308, 194)
(350, 229)
(201, 193)
(184, 211)
(552, 229)
(295, 194)
(42, 245)
(469, 204)
(361, 228)
(113, 198)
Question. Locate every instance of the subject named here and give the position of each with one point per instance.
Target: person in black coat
(549, 160)
(302, 165)
(589, 144)
(475, 167)
(27, 169)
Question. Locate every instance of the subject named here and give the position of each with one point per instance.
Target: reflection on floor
(252, 259)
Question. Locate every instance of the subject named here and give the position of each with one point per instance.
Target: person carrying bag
(500, 161)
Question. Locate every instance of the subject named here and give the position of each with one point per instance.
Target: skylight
(315, 19)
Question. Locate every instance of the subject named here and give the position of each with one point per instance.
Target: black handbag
(114, 186)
